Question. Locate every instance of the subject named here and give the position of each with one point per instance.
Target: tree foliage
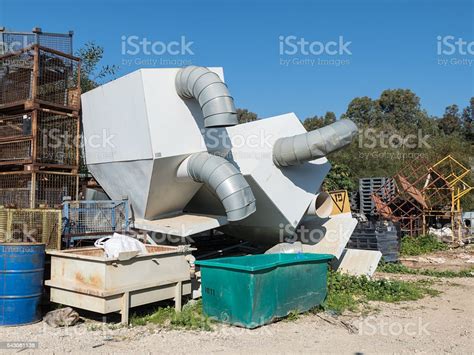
(451, 120)
(92, 74)
(316, 122)
(397, 109)
(339, 178)
(397, 113)
(245, 115)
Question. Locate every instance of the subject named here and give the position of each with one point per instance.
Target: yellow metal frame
(45, 226)
(456, 177)
(453, 172)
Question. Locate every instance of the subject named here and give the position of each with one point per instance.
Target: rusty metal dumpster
(85, 279)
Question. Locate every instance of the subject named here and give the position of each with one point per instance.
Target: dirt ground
(453, 260)
(432, 325)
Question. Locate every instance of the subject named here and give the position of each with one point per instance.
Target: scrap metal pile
(425, 196)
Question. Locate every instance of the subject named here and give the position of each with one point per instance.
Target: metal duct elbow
(212, 94)
(312, 145)
(225, 180)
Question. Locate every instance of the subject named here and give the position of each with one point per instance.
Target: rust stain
(79, 277)
(93, 280)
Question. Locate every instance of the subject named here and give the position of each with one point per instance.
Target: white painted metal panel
(328, 235)
(359, 262)
(289, 189)
(115, 121)
(167, 194)
(175, 124)
(182, 225)
(131, 179)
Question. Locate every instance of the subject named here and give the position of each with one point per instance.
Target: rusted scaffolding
(36, 76)
(40, 137)
(13, 41)
(39, 134)
(426, 193)
(33, 189)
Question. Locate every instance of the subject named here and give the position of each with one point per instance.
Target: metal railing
(12, 41)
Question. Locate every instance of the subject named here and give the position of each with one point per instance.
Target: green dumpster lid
(263, 261)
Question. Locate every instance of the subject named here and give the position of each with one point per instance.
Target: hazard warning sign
(341, 202)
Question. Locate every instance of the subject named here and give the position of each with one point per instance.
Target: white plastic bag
(119, 243)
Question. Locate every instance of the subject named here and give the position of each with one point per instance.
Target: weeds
(191, 317)
(422, 244)
(292, 316)
(402, 269)
(350, 292)
(344, 293)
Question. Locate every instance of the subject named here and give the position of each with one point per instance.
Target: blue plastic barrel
(21, 282)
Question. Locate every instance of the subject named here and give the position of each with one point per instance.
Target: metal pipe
(312, 145)
(212, 94)
(224, 179)
(321, 205)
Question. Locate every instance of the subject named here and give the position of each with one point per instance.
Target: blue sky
(393, 44)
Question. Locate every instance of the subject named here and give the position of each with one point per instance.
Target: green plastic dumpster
(253, 290)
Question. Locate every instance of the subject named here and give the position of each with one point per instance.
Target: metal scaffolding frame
(425, 191)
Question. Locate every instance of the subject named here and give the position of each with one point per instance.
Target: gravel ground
(432, 325)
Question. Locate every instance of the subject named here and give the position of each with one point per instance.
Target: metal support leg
(125, 307)
(178, 296)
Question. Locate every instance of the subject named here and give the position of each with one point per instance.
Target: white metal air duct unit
(258, 181)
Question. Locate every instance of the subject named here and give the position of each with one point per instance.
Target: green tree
(245, 115)
(400, 108)
(315, 122)
(467, 119)
(92, 74)
(451, 120)
(363, 111)
(394, 110)
(339, 178)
